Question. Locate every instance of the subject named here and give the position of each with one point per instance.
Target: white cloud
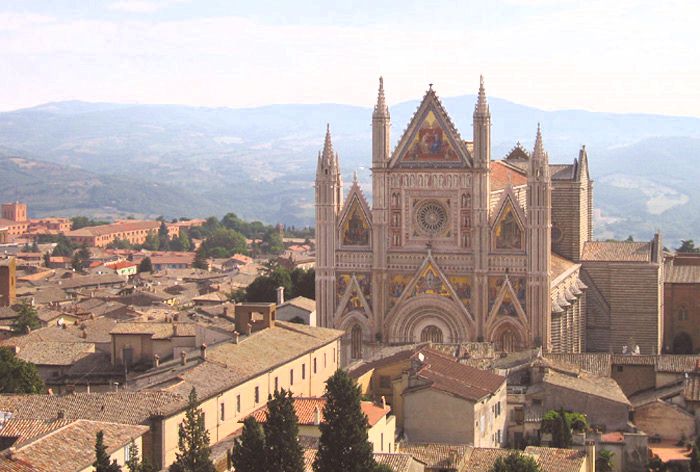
(140, 6)
(605, 55)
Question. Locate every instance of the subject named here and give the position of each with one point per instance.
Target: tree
(181, 242)
(304, 283)
(134, 464)
(561, 432)
(81, 259)
(262, 289)
(272, 241)
(27, 319)
(200, 260)
(248, 453)
(163, 237)
(343, 444)
(102, 463)
(18, 376)
(152, 243)
(145, 265)
(282, 450)
(78, 222)
(64, 247)
(604, 461)
(193, 441)
(118, 243)
(224, 242)
(516, 461)
(687, 245)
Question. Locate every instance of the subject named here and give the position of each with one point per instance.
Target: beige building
(133, 231)
(309, 411)
(232, 379)
(472, 402)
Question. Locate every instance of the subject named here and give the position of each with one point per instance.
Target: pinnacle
(354, 177)
(328, 145)
(381, 109)
(482, 106)
(538, 152)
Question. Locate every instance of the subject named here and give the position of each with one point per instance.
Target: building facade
(454, 246)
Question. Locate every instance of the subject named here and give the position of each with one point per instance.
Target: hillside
(259, 162)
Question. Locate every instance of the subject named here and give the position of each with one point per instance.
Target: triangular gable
(430, 280)
(353, 300)
(518, 153)
(507, 304)
(355, 219)
(431, 139)
(508, 223)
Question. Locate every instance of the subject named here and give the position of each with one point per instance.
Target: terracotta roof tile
(444, 373)
(602, 387)
(55, 353)
(25, 430)
(124, 407)
(300, 302)
(398, 462)
(502, 175)
(616, 251)
(439, 455)
(72, 448)
(306, 408)
(681, 274)
(552, 459)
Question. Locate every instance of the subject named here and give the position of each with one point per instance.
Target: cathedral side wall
(631, 290)
(567, 216)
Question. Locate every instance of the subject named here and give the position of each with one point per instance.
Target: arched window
(356, 342)
(431, 334)
(682, 313)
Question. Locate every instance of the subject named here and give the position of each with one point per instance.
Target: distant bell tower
(539, 243)
(329, 200)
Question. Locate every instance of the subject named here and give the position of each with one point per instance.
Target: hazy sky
(603, 55)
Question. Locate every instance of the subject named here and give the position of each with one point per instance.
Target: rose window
(431, 217)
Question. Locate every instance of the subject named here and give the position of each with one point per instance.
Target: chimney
(317, 415)
(590, 455)
(383, 402)
(225, 312)
(203, 351)
(236, 337)
(156, 360)
(83, 332)
(280, 295)
(183, 358)
(248, 329)
(61, 414)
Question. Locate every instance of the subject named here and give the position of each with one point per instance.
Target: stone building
(457, 247)
(682, 303)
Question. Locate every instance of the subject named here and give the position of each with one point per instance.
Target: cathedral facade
(454, 246)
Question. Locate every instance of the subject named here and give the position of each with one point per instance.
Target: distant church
(457, 247)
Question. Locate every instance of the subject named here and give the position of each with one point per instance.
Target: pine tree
(343, 444)
(248, 454)
(133, 464)
(200, 260)
(283, 452)
(193, 441)
(27, 320)
(102, 463)
(145, 265)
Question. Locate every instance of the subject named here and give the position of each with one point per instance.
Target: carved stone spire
(482, 105)
(539, 154)
(381, 110)
(328, 154)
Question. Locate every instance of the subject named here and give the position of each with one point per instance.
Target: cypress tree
(561, 434)
(193, 441)
(101, 463)
(283, 452)
(343, 444)
(516, 461)
(248, 453)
